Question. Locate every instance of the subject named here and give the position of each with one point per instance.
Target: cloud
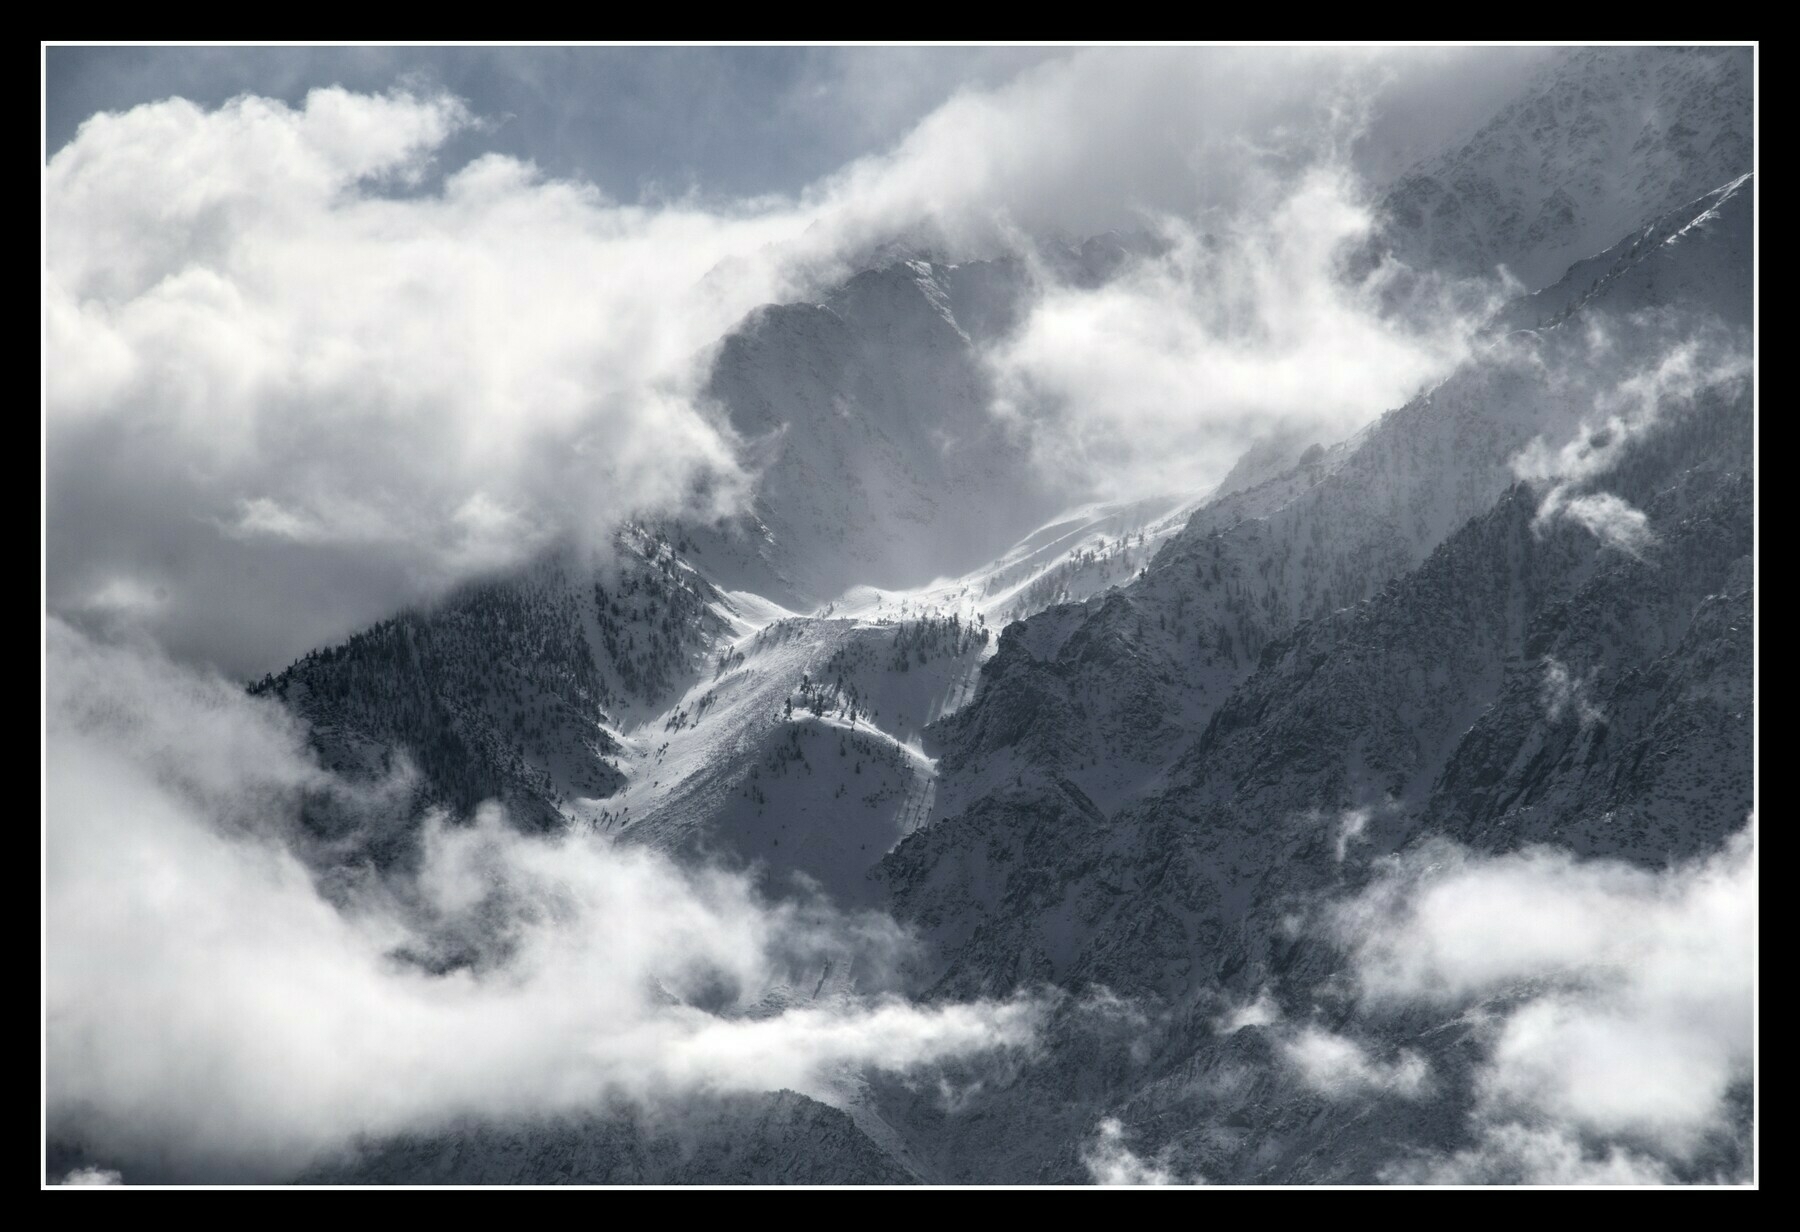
(1615, 522)
(1160, 379)
(734, 121)
(1262, 1012)
(1338, 1066)
(302, 368)
(1351, 826)
(1623, 414)
(1108, 137)
(1110, 1161)
(1515, 1154)
(293, 399)
(1619, 999)
(1563, 692)
(92, 1176)
(215, 1009)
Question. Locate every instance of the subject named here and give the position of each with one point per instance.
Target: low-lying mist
(211, 1014)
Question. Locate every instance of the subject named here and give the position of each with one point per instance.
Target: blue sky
(730, 121)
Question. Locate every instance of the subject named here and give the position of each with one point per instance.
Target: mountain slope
(1534, 678)
(868, 420)
(779, 1139)
(1599, 139)
(1105, 693)
(1427, 710)
(1141, 794)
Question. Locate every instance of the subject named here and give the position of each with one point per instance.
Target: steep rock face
(1523, 674)
(1599, 140)
(509, 689)
(780, 1139)
(1625, 728)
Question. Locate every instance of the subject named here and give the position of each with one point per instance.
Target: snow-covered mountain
(1121, 751)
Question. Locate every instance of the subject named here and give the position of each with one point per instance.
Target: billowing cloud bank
(299, 373)
(282, 399)
(210, 1014)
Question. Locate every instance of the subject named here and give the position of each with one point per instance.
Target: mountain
(510, 688)
(867, 412)
(1599, 140)
(587, 687)
(1114, 754)
(1656, 266)
(867, 420)
(1521, 680)
(1106, 690)
(1179, 899)
(778, 1139)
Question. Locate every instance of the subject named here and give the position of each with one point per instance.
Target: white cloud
(1615, 522)
(1623, 996)
(92, 1176)
(1513, 1154)
(210, 1014)
(1110, 1161)
(292, 399)
(1338, 1066)
(1623, 414)
(1162, 378)
(1351, 826)
(295, 401)
(1262, 1012)
(1109, 136)
(1563, 692)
